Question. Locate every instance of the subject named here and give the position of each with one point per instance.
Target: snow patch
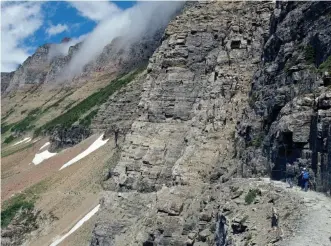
(96, 145)
(46, 144)
(78, 224)
(25, 140)
(39, 158)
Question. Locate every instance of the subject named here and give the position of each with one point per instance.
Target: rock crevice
(289, 94)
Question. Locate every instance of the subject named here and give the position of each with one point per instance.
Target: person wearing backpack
(290, 174)
(305, 179)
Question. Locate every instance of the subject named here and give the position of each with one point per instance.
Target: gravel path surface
(314, 229)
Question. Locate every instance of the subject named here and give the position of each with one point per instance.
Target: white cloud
(59, 28)
(19, 20)
(63, 48)
(132, 24)
(95, 10)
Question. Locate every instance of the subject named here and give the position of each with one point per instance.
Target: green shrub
(309, 53)
(257, 140)
(9, 213)
(9, 139)
(24, 200)
(325, 66)
(73, 114)
(26, 123)
(5, 127)
(251, 195)
(87, 120)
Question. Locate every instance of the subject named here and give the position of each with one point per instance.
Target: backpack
(305, 175)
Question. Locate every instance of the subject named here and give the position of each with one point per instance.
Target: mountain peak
(65, 40)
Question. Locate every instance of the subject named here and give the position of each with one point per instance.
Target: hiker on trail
(305, 179)
(116, 132)
(290, 173)
(274, 218)
(300, 180)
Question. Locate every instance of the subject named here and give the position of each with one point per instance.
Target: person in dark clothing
(290, 174)
(305, 179)
(116, 132)
(302, 182)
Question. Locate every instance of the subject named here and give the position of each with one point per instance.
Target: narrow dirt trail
(314, 228)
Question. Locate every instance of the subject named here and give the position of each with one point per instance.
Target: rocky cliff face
(5, 80)
(68, 137)
(232, 90)
(120, 110)
(291, 93)
(33, 70)
(162, 190)
(117, 56)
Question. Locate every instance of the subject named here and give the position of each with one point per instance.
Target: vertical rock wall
(182, 143)
(5, 80)
(291, 92)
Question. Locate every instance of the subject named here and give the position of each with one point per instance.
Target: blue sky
(65, 13)
(28, 25)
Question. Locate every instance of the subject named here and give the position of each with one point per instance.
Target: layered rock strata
(183, 141)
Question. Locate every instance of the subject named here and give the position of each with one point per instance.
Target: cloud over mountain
(132, 24)
(95, 10)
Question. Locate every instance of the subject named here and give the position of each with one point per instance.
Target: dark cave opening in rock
(235, 44)
(287, 152)
(274, 113)
(327, 81)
